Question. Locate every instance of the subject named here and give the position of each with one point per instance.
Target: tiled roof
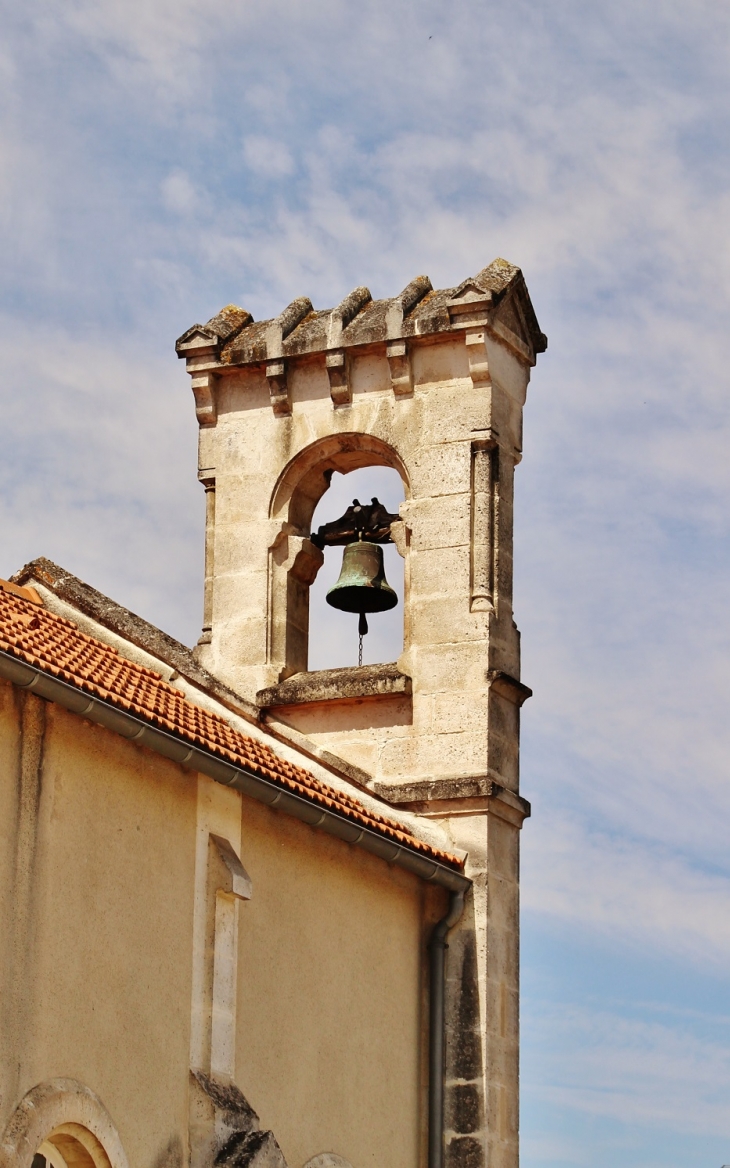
(130, 627)
(32, 634)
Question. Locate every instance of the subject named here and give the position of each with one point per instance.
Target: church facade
(255, 914)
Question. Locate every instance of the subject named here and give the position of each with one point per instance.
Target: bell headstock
(361, 521)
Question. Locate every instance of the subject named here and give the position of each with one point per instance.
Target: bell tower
(431, 383)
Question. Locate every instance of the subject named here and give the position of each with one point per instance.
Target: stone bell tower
(433, 384)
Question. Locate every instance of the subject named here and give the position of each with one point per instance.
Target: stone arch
(293, 560)
(307, 476)
(328, 1160)
(70, 1118)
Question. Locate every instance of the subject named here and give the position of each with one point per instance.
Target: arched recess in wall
(293, 560)
(62, 1120)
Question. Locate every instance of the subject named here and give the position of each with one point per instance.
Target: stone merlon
(496, 297)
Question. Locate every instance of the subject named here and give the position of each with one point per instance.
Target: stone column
(208, 482)
(482, 530)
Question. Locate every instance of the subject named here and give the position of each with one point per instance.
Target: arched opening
(61, 1124)
(295, 563)
(333, 635)
(70, 1146)
(48, 1156)
(308, 475)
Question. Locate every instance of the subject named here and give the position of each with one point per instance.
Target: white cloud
(98, 471)
(179, 194)
(634, 1071)
(267, 157)
(638, 893)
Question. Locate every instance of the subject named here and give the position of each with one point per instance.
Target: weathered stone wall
(455, 444)
(438, 395)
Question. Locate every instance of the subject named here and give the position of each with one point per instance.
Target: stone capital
(455, 796)
(508, 687)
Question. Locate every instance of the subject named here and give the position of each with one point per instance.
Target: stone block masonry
(431, 383)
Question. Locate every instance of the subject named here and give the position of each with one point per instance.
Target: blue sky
(162, 158)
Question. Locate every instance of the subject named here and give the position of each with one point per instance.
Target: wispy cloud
(96, 461)
(635, 1071)
(635, 891)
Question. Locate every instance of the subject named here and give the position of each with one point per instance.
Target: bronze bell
(362, 586)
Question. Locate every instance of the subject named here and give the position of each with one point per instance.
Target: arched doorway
(51, 1155)
(71, 1145)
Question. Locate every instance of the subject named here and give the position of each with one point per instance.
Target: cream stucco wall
(97, 983)
(330, 1025)
(98, 853)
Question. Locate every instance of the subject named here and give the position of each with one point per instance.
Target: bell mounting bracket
(362, 521)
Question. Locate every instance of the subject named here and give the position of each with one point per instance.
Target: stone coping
(327, 685)
(233, 338)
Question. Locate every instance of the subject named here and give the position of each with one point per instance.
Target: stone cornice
(327, 685)
(458, 794)
(495, 299)
(508, 687)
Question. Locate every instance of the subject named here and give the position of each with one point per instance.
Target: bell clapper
(362, 629)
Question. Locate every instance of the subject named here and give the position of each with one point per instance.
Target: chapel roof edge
(64, 661)
(130, 627)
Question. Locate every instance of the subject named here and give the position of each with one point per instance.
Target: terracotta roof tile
(49, 642)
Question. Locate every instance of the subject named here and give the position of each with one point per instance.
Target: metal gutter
(195, 758)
